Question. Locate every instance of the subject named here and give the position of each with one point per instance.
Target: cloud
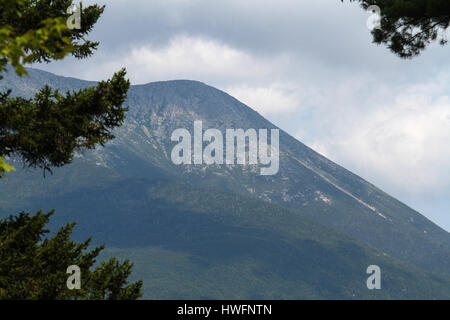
(271, 99)
(187, 57)
(399, 141)
(198, 58)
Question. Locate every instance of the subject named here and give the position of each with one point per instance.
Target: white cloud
(271, 99)
(400, 142)
(189, 57)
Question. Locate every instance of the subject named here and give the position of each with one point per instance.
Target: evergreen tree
(33, 266)
(409, 26)
(44, 132)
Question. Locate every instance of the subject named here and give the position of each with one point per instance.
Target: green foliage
(4, 167)
(409, 26)
(33, 266)
(45, 131)
(36, 31)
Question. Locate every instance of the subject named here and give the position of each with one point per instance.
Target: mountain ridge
(309, 184)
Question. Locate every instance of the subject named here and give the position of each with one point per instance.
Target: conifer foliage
(45, 131)
(34, 266)
(409, 26)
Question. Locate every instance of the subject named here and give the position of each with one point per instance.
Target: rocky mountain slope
(313, 224)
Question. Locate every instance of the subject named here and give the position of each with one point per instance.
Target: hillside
(201, 231)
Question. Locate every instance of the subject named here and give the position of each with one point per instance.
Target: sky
(310, 67)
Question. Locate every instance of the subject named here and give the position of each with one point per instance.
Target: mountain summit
(225, 231)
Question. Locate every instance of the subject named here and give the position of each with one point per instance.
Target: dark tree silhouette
(45, 132)
(33, 266)
(409, 26)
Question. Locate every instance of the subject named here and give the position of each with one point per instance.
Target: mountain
(225, 231)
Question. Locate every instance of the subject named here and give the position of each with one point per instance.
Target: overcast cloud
(309, 67)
